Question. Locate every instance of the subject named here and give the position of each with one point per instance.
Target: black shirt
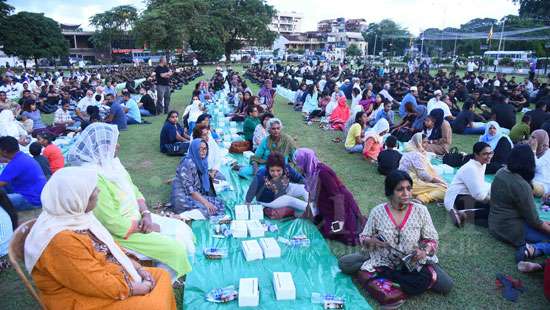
(388, 160)
(160, 80)
(505, 115)
(462, 120)
(538, 117)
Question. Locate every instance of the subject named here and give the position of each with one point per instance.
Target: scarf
(493, 140)
(307, 161)
(542, 141)
(422, 113)
(200, 163)
(341, 113)
(64, 201)
(374, 132)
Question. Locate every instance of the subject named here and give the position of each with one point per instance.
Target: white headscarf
(378, 128)
(9, 126)
(64, 201)
(96, 147)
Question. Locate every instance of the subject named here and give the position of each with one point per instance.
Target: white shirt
(384, 93)
(438, 104)
(470, 66)
(469, 180)
(496, 83)
(85, 102)
(542, 171)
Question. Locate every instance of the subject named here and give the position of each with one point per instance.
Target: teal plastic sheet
(313, 268)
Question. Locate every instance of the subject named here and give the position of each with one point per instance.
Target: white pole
(421, 46)
(374, 49)
(501, 35)
(454, 50)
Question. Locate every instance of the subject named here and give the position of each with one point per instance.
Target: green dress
(249, 126)
(121, 217)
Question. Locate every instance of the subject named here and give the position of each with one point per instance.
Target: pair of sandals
(525, 253)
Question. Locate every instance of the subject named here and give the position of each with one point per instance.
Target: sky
(415, 15)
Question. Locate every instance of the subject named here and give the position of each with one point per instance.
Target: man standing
(163, 74)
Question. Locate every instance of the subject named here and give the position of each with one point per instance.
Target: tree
(533, 8)
(353, 50)
(212, 27)
(387, 35)
(32, 36)
(112, 25)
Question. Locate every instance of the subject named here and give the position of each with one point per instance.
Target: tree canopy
(113, 24)
(534, 8)
(36, 37)
(387, 36)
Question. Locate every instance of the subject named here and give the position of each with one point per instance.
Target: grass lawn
(469, 255)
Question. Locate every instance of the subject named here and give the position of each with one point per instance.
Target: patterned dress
(187, 182)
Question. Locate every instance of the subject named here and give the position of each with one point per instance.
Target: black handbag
(454, 158)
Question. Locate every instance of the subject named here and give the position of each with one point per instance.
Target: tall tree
(387, 35)
(32, 36)
(112, 25)
(534, 8)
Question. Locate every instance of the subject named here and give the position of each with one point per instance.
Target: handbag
(279, 213)
(386, 292)
(239, 147)
(454, 158)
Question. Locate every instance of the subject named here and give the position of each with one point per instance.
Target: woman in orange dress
(74, 261)
(374, 139)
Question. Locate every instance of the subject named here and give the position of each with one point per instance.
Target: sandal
(337, 140)
(526, 252)
(455, 218)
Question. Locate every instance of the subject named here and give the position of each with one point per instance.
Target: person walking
(163, 74)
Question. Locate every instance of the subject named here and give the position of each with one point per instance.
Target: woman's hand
(146, 225)
(146, 276)
(142, 288)
(420, 255)
(373, 242)
(211, 208)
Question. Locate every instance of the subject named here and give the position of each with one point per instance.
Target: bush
(506, 61)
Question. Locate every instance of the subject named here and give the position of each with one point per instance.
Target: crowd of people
(102, 227)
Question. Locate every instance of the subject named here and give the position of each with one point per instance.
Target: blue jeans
(20, 203)
(540, 240)
(358, 148)
(473, 131)
(144, 112)
(131, 121)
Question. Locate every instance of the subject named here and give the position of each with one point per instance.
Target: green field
(469, 255)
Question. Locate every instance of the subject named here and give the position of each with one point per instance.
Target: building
(80, 46)
(341, 33)
(286, 22)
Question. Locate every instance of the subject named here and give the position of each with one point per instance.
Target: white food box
(284, 286)
(241, 212)
(270, 247)
(252, 250)
(249, 295)
(238, 229)
(233, 130)
(255, 229)
(256, 212)
(248, 154)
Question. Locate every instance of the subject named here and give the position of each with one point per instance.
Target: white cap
(437, 92)
(414, 88)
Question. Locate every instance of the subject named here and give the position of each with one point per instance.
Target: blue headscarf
(201, 164)
(422, 113)
(493, 140)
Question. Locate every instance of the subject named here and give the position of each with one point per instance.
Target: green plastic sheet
(313, 268)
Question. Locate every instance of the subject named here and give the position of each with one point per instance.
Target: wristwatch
(145, 212)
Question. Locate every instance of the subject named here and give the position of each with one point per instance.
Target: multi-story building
(286, 22)
(80, 46)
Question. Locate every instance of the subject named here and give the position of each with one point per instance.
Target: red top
(53, 153)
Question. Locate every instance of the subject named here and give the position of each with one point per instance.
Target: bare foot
(526, 267)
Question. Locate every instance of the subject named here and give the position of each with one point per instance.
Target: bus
(514, 55)
(136, 55)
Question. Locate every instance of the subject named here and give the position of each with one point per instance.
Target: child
(35, 149)
(51, 151)
(386, 113)
(521, 131)
(388, 159)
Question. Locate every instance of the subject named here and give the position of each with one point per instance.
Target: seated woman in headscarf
(75, 262)
(373, 140)
(411, 123)
(277, 185)
(439, 133)
(173, 139)
(339, 115)
(311, 108)
(276, 141)
(513, 217)
(214, 157)
(332, 206)
(10, 127)
(356, 133)
(539, 144)
(394, 230)
(260, 132)
(122, 209)
(428, 186)
(267, 95)
(192, 188)
(500, 144)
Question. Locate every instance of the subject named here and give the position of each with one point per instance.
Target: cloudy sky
(416, 15)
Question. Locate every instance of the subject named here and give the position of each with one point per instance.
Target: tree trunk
(36, 63)
(25, 63)
(227, 53)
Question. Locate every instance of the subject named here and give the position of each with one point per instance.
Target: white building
(286, 22)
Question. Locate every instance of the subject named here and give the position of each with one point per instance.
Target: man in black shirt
(163, 74)
(504, 113)
(538, 115)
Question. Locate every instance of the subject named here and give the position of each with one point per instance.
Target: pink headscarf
(307, 161)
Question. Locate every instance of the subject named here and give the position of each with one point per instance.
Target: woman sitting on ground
(250, 122)
(439, 133)
(122, 209)
(428, 186)
(173, 139)
(500, 144)
(310, 109)
(278, 185)
(261, 130)
(75, 262)
(30, 112)
(276, 141)
(214, 157)
(405, 130)
(513, 217)
(367, 101)
(374, 140)
(541, 181)
(468, 195)
(334, 210)
(10, 127)
(356, 133)
(339, 115)
(394, 230)
(192, 188)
